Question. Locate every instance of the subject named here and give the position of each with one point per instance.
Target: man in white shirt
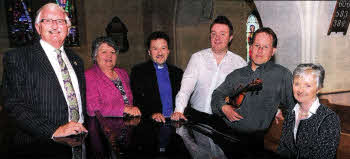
(206, 70)
(44, 84)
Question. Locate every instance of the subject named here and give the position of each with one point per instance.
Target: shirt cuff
(179, 109)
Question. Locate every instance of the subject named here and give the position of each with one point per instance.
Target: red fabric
(250, 53)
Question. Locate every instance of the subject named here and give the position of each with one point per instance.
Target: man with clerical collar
(155, 83)
(260, 106)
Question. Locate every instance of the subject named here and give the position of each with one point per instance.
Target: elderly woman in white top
(311, 130)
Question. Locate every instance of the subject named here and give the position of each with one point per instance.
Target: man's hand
(177, 116)
(279, 116)
(158, 117)
(132, 110)
(230, 113)
(71, 141)
(71, 128)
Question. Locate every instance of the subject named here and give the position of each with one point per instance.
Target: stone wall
(192, 29)
(302, 27)
(97, 16)
(142, 17)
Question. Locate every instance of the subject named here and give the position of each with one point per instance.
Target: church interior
(307, 31)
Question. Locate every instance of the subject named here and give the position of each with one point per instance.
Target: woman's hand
(132, 110)
(158, 117)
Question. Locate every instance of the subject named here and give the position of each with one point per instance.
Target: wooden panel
(344, 146)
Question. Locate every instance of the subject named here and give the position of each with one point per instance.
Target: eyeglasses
(50, 21)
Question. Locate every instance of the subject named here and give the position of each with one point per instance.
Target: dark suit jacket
(317, 137)
(33, 95)
(144, 86)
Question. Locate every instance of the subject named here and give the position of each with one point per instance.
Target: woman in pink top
(107, 87)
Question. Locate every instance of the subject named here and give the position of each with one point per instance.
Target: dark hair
(266, 30)
(98, 42)
(316, 69)
(222, 20)
(156, 35)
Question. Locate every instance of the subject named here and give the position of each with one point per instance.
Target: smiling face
(219, 38)
(159, 51)
(106, 57)
(305, 88)
(262, 49)
(52, 32)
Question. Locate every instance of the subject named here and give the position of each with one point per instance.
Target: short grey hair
(51, 6)
(98, 42)
(315, 69)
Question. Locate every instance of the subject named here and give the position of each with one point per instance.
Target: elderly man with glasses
(44, 84)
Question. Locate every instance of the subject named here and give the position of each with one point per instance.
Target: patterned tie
(72, 99)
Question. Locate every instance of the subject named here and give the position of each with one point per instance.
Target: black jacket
(145, 90)
(317, 137)
(33, 95)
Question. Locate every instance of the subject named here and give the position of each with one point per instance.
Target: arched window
(252, 26)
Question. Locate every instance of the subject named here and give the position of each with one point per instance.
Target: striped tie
(72, 99)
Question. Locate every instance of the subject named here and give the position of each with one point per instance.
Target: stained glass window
(73, 36)
(252, 26)
(20, 22)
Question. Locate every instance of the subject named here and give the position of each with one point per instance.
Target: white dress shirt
(52, 56)
(312, 111)
(202, 76)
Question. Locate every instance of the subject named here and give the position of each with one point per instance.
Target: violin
(237, 99)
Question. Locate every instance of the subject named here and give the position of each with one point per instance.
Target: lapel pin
(75, 63)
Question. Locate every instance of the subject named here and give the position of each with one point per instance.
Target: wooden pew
(274, 133)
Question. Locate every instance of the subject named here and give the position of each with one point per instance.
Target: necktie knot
(58, 51)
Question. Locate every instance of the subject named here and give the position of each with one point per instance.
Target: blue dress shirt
(165, 90)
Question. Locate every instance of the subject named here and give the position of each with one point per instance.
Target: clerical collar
(157, 66)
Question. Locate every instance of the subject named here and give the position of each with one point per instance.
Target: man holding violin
(264, 85)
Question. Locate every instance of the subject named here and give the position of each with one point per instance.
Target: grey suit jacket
(32, 94)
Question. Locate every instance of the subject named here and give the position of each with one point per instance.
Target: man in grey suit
(44, 84)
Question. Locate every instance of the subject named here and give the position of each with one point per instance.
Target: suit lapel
(43, 60)
(72, 60)
(75, 65)
(45, 64)
(105, 79)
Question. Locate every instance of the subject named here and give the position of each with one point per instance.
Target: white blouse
(312, 111)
